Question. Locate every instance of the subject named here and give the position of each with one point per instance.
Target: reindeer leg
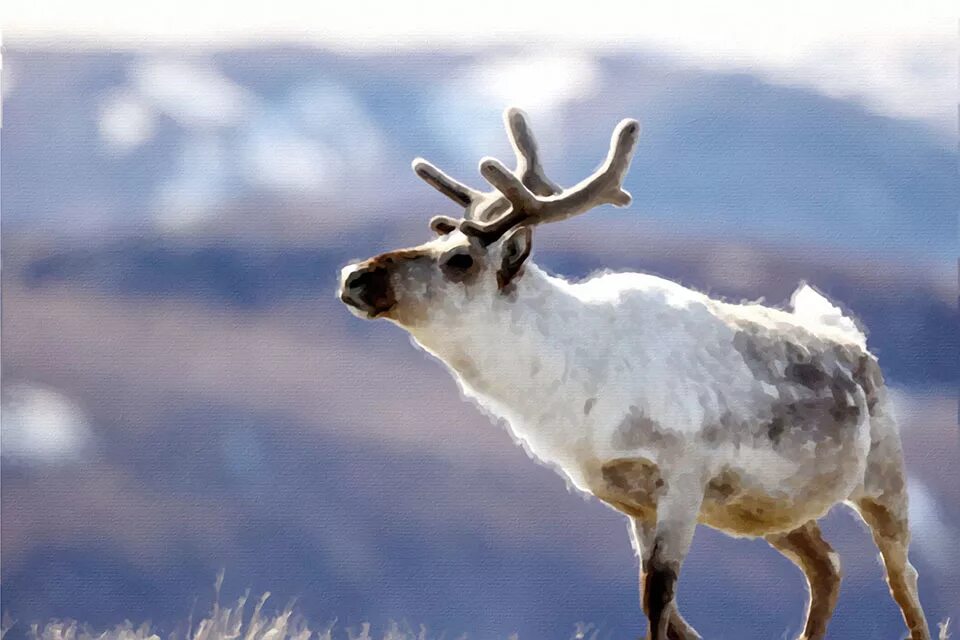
(886, 516)
(807, 549)
(882, 503)
(677, 627)
(677, 511)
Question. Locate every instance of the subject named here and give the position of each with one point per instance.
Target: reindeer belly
(739, 511)
(794, 447)
(752, 489)
(758, 494)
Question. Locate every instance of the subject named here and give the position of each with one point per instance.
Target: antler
(529, 207)
(527, 195)
(453, 189)
(529, 171)
(528, 159)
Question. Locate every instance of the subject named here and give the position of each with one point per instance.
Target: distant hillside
(95, 140)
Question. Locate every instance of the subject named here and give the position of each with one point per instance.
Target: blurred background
(182, 392)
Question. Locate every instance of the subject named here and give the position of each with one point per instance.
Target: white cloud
(41, 425)
(194, 95)
(330, 113)
(198, 186)
(126, 122)
(538, 82)
(8, 79)
(898, 75)
(898, 58)
(279, 157)
(319, 139)
(932, 535)
(543, 84)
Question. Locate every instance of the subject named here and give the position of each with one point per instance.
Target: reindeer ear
(514, 251)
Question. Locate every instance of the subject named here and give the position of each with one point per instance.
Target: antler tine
(444, 224)
(528, 159)
(453, 189)
(603, 187)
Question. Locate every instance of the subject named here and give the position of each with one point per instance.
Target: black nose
(368, 289)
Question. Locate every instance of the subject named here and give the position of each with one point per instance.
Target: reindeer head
(481, 255)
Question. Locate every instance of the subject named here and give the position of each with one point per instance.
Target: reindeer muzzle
(366, 288)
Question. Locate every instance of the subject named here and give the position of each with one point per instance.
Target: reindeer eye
(457, 262)
(461, 261)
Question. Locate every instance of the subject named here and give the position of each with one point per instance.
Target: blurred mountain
(99, 140)
(911, 320)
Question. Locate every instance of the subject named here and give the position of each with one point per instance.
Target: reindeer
(667, 405)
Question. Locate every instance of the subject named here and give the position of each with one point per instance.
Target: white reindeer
(669, 406)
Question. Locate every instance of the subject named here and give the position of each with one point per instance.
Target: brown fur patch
(392, 257)
(631, 485)
(805, 547)
(399, 265)
(882, 521)
(731, 506)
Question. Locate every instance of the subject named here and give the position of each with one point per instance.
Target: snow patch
(41, 425)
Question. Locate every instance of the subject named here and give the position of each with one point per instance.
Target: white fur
(563, 363)
(816, 310)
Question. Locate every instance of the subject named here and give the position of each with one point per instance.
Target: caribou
(672, 407)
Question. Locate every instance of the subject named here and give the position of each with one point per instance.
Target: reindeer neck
(516, 356)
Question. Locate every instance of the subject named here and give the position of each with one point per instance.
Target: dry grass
(232, 623)
(944, 629)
